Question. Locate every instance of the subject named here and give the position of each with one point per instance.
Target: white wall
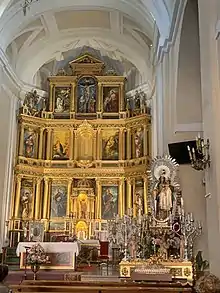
(8, 106)
(193, 192)
(178, 113)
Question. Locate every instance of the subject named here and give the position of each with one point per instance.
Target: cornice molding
(161, 47)
(20, 88)
(189, 127)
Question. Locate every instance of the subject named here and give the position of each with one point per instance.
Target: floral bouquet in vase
(36, 257)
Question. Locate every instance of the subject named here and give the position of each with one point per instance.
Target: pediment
(86, 59)
(87, 64)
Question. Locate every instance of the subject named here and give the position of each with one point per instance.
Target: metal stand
(25, 263)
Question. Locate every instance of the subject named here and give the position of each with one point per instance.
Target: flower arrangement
(36, 255)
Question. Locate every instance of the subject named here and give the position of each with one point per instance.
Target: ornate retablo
(82, 156)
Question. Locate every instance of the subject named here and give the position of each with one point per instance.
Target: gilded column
(134, 198)
(99, 97)
(123, 197)
(121, 97)
(145, 195)
(68, 208)
(145, 140)
(92, 207)
(129, 196)
(71, 144)
(94, 147)
(46, 198)
(149, 143)
(38, 203)
(73, 86)
(18, 196)
(51, 97)
(98, 203)
(120, 199)
(33, 207)
(75, 145)
(41, 143)
(128, 144)
(21, 143)
(49, 132)
(99, 144)
(121, 144)
(74, 205)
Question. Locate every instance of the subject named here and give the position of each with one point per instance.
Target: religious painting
(58, 200)
(109, 201)
(61, 140)
(62, 99)
(110, 145)
(57, 226)
(138, 143)
(86, 95)
(36, 232)
(26, 199)
(111, 99)
(30, 143)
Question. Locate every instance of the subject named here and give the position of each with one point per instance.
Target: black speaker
(179, 151)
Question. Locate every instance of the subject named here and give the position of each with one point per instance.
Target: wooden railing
(99, 287)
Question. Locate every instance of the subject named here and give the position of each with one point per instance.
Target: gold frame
(112, 86)
(75, 101)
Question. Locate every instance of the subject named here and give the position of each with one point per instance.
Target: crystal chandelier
(26, 5)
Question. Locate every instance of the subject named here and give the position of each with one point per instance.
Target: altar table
(61, 254)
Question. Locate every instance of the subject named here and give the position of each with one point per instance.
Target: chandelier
(199, 156)
(26, 5)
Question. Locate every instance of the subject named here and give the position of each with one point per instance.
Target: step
(100, 278)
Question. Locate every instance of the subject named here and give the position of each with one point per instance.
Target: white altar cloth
(50, 247)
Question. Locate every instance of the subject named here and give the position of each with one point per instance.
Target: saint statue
(29, 143)
(163, 196)
(138, 142)
(25, 204)
(133, 247)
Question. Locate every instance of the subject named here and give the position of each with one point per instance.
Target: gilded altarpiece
(81, 159)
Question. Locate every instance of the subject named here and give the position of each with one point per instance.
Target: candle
(190, 155)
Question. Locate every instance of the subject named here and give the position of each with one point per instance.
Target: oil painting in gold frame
(61, 145)
(110, 145)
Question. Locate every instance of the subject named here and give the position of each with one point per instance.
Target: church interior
(109, 146)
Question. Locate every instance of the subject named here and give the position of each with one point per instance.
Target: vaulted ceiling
(119, 29)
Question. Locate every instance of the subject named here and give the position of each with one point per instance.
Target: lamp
(27, 4)
(200, 157)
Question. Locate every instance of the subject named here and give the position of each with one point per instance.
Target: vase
(35, 268)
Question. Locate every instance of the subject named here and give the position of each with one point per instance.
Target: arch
(14, 20)
(30, 60)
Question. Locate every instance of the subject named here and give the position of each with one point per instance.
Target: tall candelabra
(190, 230)
(200, 157)
(72, 222)
(130, 233)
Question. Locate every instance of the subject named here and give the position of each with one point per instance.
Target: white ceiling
(121, 28)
